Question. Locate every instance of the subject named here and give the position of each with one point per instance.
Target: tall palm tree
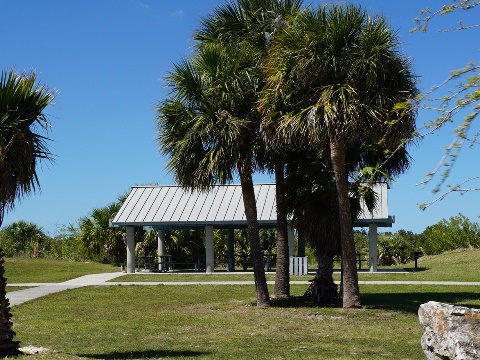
(343, 74)
(22, 105)
(312, 198)
(209, 128)
(257, 22)
(22, 147)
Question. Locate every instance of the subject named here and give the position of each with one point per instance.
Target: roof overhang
(175, 207)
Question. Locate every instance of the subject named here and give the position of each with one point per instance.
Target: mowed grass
(222, 321)
(31, 270)
(460, 265)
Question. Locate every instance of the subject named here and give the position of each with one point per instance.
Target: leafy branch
(461, 100)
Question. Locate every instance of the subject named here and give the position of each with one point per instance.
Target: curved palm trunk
(351, 293)
(282, 274)
(250, 204)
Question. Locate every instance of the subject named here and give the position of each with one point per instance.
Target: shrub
(454, 233)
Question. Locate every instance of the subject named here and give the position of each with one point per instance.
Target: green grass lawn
(221, 322)
(452, 266)
(204, 322)
(30, 270)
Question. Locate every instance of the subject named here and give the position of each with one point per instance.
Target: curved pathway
(41, 289)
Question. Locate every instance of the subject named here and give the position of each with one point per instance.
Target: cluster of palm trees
(321, 97)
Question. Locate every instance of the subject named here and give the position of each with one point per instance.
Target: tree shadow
(402, 301)
(145, 354)
(301, 301)
(418, 269)
(411, 301)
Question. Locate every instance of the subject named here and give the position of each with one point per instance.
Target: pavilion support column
(373, 252)
(209, 256)
(231, 250)
(161, 250)
(291, 240)
(301, 245)
(130, 249)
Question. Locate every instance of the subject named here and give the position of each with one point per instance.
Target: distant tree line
(457, 232)
(93, 239)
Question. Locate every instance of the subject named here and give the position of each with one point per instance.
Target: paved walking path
(41, 289)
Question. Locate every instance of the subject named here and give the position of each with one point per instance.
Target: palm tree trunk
(250, 205)
(323, 289)
(8, 346)
(351, 293)
(282, 274)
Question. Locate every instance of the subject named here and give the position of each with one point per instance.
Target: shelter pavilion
(172, 207)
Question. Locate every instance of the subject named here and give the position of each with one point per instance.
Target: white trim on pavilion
(174, 207)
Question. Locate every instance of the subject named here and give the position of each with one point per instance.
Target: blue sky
(108, 59)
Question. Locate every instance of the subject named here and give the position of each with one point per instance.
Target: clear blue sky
(108, 59)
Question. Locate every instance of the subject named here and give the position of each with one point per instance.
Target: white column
(161, 249)
(130, 249)
(209, 256)
(231, 250)
(291, 241)
(373, 252)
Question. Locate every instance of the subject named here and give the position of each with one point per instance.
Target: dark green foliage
(97, 239)
(394, 249)
(22, 105)
(454, 233)
(19, 239)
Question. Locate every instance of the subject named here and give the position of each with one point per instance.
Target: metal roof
(170, 207)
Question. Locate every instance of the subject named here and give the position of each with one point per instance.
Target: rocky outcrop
(450, 332)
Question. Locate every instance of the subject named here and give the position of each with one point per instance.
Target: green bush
(393, 249)
(21, 238)
(454, 233)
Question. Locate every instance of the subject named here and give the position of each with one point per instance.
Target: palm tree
(312, 198)
(208, 126)
(22, 105)
(98, 238)
(22, 102)
(257, 22)
(342, 74)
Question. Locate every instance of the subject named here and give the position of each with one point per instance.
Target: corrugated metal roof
(171, 207)
(175, 206)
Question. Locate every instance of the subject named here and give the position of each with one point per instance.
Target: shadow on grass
(402, 301)
(146, 354)
(300, 301)
(411, 301)
(418, 269)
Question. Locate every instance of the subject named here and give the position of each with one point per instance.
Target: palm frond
(22, 105)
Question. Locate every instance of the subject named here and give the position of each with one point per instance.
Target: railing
(244, 262)
(359, 261)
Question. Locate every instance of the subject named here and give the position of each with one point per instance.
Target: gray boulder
(450, 332)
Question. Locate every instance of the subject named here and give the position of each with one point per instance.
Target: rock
(450, 332)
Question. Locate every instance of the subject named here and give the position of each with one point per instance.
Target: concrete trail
(42, 289)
